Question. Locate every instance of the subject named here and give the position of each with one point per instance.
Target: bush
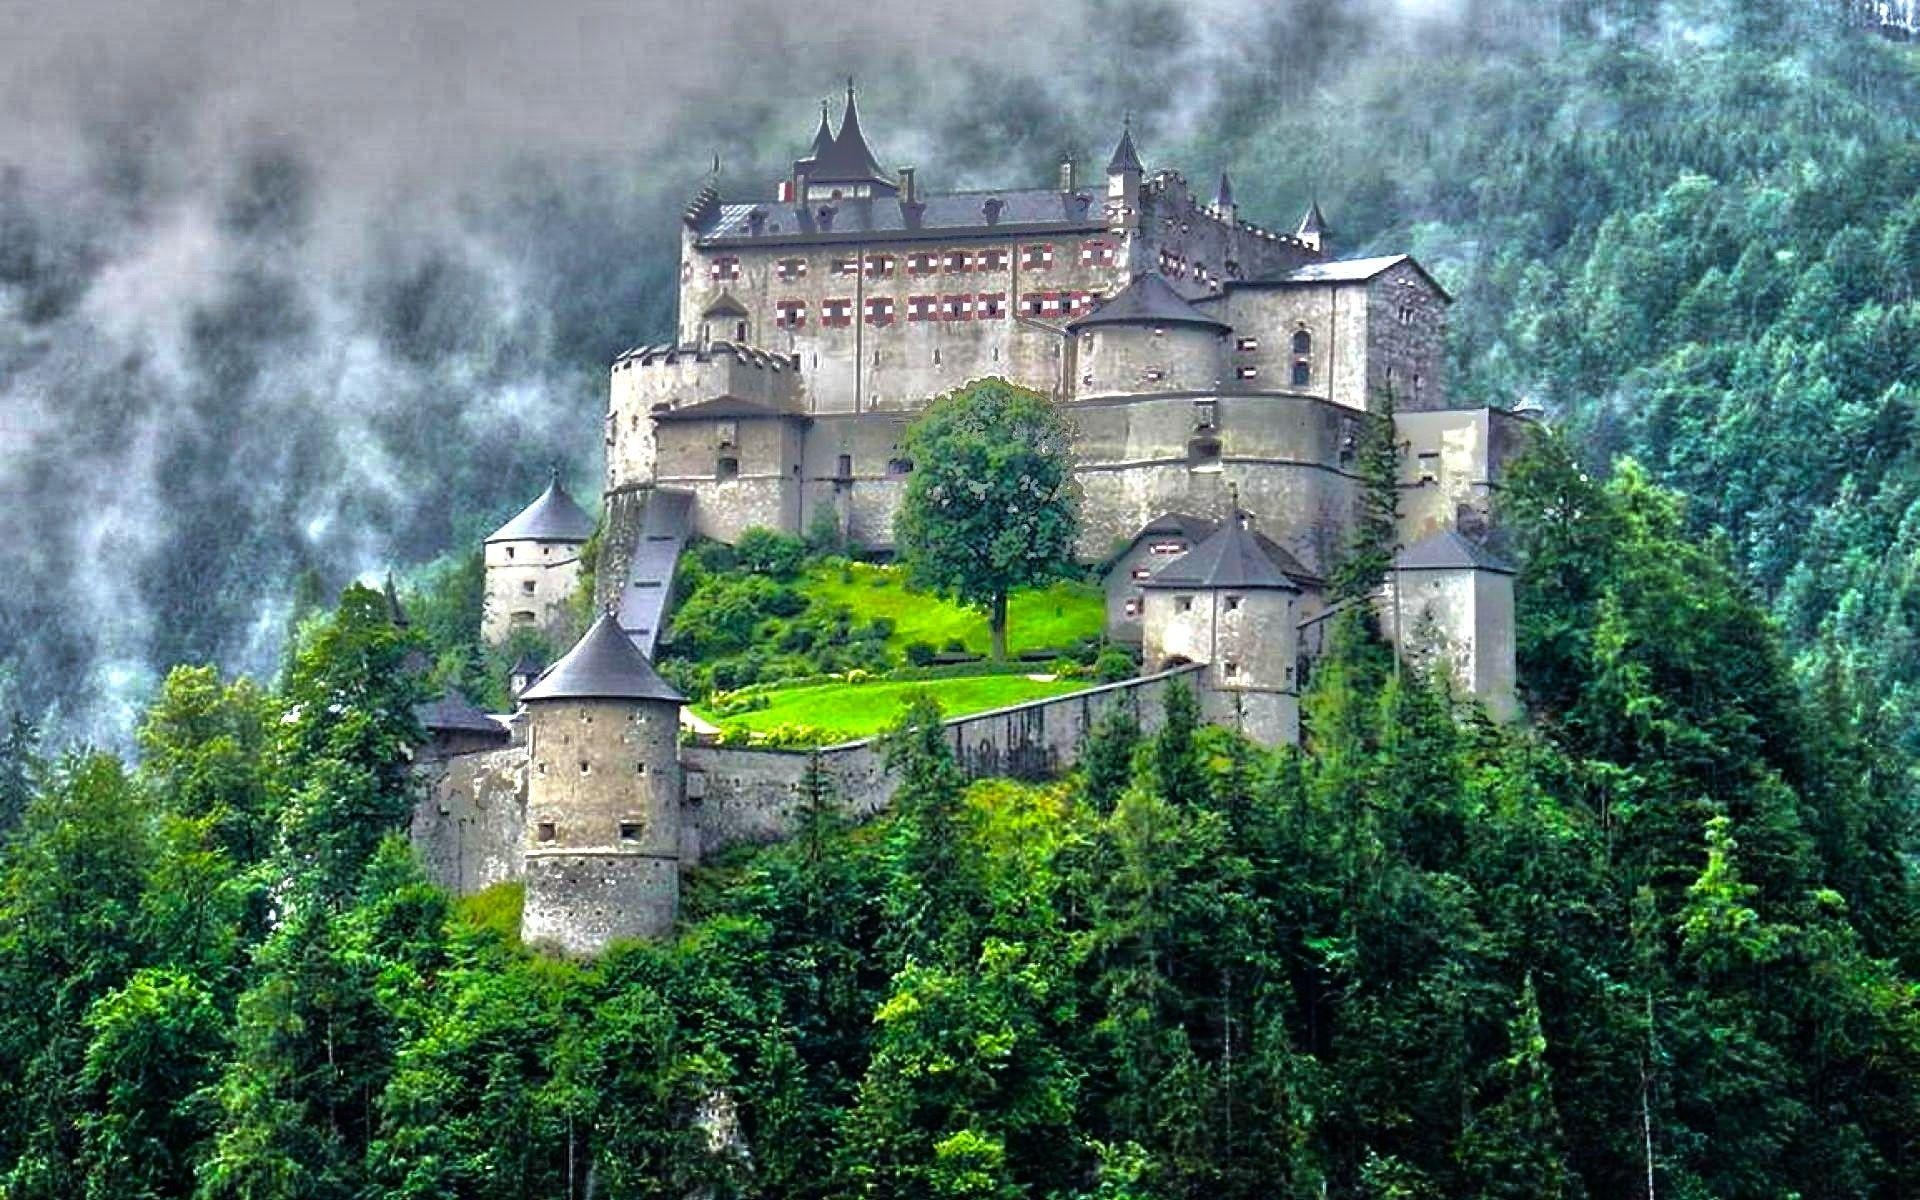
(767, 552)
(1114, 665)
(921, 654)
(823, 533)
(956, 646)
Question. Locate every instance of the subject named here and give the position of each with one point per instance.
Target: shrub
(823, 533)
(770, 553)
(1113, 665)
(921, 654)
(956, 646)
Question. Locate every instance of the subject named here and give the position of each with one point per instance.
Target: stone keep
(603, 824)
(533, 566)
(1231, 603)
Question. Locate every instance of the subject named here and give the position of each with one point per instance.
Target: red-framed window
(722, 270)
(1034, 304)
(922, 262)
(992, 259)
(956, 261)
(922, 308)
(847, 265)
(879, 266)
(1079, 303)
(956, 308)
(791, 269)
(990, 306)
(1037, 257)
(836, 313)
(789, 314)
(879, 310)
(1098, 252)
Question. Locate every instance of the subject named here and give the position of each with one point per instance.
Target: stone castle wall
(529, 585)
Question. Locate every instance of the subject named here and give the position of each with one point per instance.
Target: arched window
(1302, 342)
(1302, 358)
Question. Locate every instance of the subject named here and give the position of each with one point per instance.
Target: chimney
(1067, 182)
(824, 217)
(800, 181)
(757, 221)
(908, 195)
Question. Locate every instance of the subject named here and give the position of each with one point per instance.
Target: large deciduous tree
(990, 506)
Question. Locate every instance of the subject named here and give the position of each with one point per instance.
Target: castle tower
(1450, 603)
(603, 797)
(533, 566)
(1223, 203)
(1123, 183)
(1228, 603)
(1147, 339)
(1314, 232)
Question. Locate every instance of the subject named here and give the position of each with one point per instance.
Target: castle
(1217, 375)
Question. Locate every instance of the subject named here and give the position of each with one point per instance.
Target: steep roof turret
(1223, 197)
(1234, 556)
(822, 140)
(454, 713)
(1148, 300)
(1449, 550)
(848, 159)
(1125, 157)
(1314, 222)
(553, 517)
(603, 665)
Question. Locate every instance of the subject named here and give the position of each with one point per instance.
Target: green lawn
(845, 711)
(1049, 619)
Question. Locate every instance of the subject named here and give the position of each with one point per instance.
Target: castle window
(1159, 331)
(640, 768)
(629, 831)
(1080, 303)
(837, 313)
(1406, 314)
(1302, 342)
(1205, 414)
(1247, 345)
(1034, 304)
(1246, 372)
(1154, 375)
(509, 551)
(726, 435)
(789, 314)
(1098, 252)
(1418, 384)
(545, 831)
(1203, 450)
(843, 469)
(1429, 467)
(991, 260)
(922, 308)
(791, 269)
(523, 617)
(956, 308)
(897, 467)
(1233, 603)
(1183, 604)
(1133, 608)
(990, 306)
(727, 468)
(686, 272)
(922, 262)
(1172, 546)
(1036, 258)
(586, 768)
(880, 310)
(527, 585)
(957, 260)
(722, 270)
(1232, 670)
(739, 331)
(879, 266)
(1140, 573)
(846, 266)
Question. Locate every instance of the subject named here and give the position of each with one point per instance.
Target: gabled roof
(603, 665)
(553, 517)
(724, 305)
(454, 713)
(1232, 557)
(1125, 157)
(1448, 550)
(848, 159)
(1148, 300)
(724, 408)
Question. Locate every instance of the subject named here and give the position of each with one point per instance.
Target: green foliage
(1365, 560)
(990, 507)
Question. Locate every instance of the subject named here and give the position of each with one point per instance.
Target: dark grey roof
(554, 517)
(1448, 550)
(454, 713)
(669, 353)
(1195, 528)
(1315, 221)
(848, 159)
(822, 140)
(1343, 270)
(722, 408)
(1148, 300)
(1125, 157)
(725, 305)
(1232, 557)
(1223, 197)
(603, 665)
(527, 664)
(933, 217)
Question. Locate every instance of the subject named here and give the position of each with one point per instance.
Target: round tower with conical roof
(603, 797)
(533, 566)
(1147, 339)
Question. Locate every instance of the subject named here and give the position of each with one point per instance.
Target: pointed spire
(849, 159)
(395, 612)
(1223, 198)
(1315, 221)
(822, 137)
(1125, 157)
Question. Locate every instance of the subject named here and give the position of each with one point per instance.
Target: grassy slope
(1052, 619)
(853, 710)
